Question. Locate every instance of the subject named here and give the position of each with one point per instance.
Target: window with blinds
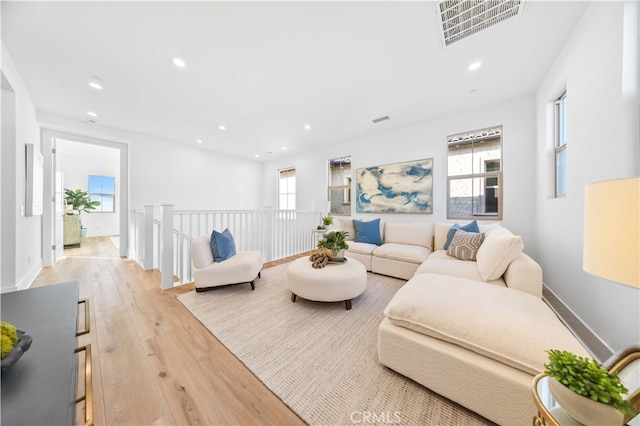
(339, 188)
(287, 189)
(474, 182)
(560, 142)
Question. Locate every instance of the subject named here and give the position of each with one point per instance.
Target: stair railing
(166, 244)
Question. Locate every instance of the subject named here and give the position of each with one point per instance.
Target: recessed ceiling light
(199, 140)
(179, 62)
(307, 127)
(284, 148)
(92, 114)
(474, 66)
(257, 155)
(95, 82)
(221, 127)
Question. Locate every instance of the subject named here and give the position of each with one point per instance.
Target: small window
(475, 175)
(103, 189)
(560, 142)
(287, 189)
(339, 188)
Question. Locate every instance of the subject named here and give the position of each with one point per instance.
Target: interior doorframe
(48, 219)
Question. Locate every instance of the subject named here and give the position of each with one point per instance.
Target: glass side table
(549, 412)
(625, 363)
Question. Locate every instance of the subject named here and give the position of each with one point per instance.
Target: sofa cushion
(403, 252)
(223, 245)
(361, 248)
(414, 233)
(511, 327)
(368, 232)
(439, 262)
(469, 227)
(201, 253)
(347, 226)
(465, 245)
(498, 250)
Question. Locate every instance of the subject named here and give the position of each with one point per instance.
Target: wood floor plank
(153, 362)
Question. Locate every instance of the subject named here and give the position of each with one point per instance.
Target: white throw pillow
(347, 225)
(498, 250)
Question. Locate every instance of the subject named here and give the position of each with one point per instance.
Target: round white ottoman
(333, 283)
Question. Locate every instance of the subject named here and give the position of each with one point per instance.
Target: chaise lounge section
(474, 331)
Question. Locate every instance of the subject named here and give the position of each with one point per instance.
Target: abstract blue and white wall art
(396, 188)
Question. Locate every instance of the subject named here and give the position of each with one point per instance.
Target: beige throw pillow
(465, 245)
(498, 250)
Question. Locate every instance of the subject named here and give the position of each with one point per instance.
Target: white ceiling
(265, 69)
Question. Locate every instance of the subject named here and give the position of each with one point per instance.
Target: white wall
(24, 256)
(166, 172)
(428, 140)
(78, 161)
(590, 67)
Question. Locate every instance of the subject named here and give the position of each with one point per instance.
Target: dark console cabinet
(41, 388)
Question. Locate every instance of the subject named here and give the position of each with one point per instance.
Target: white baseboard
(27, 279)
(592, 334)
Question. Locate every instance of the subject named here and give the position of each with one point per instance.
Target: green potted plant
(78, 201)
(326, 221)
(586, 391)
(335, 244)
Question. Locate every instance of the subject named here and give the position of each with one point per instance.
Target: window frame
(288, 193)
(102, 195)
(472, 136)
(559, 143)
(346, 187)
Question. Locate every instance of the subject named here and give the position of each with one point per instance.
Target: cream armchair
(243, 267)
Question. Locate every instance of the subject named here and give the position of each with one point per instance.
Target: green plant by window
(334, 240)
(587, 378)
(79, 200)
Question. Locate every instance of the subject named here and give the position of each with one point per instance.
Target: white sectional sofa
(475, 332)
(412, 248)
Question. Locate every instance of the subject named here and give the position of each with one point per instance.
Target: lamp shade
(612, 230)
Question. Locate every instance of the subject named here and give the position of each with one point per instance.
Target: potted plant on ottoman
(335, 244)
(587, 392)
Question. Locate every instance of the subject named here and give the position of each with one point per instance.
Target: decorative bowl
(22, 345)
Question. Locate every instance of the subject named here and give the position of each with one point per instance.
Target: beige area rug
(319, 358)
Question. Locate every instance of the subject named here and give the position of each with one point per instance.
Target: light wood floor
(153, 362)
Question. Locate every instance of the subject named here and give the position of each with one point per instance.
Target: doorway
(69, 161)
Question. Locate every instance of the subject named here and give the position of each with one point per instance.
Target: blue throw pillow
(368, 232)
(469, 227)
(222, 245)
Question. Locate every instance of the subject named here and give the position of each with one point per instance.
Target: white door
(58, 207)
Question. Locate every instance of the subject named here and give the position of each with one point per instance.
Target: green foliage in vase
(79, 200)
(587, 378)
(334, 240)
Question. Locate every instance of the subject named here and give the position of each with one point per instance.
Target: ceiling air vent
(458, 19)
(379, 119)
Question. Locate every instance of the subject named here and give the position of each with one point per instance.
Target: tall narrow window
(287, 189)
(103, 189)
(475, 175)
(560, 142)
(339, 189)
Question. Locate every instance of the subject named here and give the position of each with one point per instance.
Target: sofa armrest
(524, 274)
